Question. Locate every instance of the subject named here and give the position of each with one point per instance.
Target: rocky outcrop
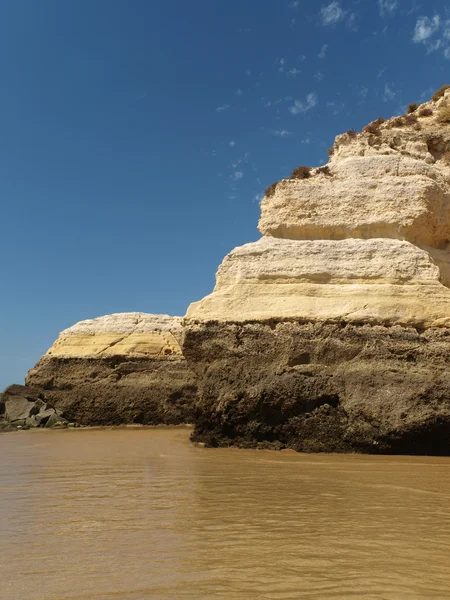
(118, 369)
(22, 408)
(332, 332)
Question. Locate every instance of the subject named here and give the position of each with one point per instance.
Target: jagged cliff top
(391, 180)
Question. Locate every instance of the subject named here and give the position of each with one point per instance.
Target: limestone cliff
(332, 332)
(117, 369)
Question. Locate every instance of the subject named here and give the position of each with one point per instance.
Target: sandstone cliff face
(118, 369)
(332, 332)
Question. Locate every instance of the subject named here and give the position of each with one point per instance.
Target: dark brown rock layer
(116, 390)
(321, 387)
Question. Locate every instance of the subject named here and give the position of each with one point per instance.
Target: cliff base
(321, 387)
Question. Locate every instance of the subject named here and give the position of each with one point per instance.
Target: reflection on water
(143, 514)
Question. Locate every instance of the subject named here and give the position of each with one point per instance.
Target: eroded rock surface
(332, 332)
(118, 369)
(322, 387)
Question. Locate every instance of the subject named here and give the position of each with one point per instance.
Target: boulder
(18, 403)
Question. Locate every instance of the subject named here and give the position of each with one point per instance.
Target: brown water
(143, 514)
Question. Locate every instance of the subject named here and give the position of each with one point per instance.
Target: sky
(137, 138)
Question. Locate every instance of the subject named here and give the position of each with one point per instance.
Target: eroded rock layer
(118, 369)
(375, 281)
(332, 332)
(322, 387)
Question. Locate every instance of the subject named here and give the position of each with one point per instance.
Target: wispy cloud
(387, 7)
(294, 4)
(237, 175)
(272, 103)
(388, 93)
(238, 92)
(332, 13)
(363, 92)
(294, 72)
(318, 75)
(222, 107)
(426, 94)
(323, 51)
(232, 143)
(281, 132)
(425, 28)
(335, 107)
(300, 106)
(433, 33)
(351, 22)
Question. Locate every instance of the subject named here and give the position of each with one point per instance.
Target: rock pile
(332, 332)
(21, 408)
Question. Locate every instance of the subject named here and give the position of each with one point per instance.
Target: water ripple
(137, 515)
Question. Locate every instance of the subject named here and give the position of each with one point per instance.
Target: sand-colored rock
(365, 197)
(127, 334)
(393, 183)
(118, 369)
(378, 280)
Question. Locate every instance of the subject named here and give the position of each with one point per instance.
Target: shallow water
(143, 514)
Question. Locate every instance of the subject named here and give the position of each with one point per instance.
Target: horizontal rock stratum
(127, 334)
(370, 196)
(332, 332)
(118, 369)
(373, 281)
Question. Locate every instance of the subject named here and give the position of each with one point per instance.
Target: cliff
(332, 332)
(117, 369)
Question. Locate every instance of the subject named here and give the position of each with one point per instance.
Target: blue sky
(137, 137)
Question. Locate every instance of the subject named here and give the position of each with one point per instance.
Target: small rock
(43, 416)
(56, 420)
(32, 421)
